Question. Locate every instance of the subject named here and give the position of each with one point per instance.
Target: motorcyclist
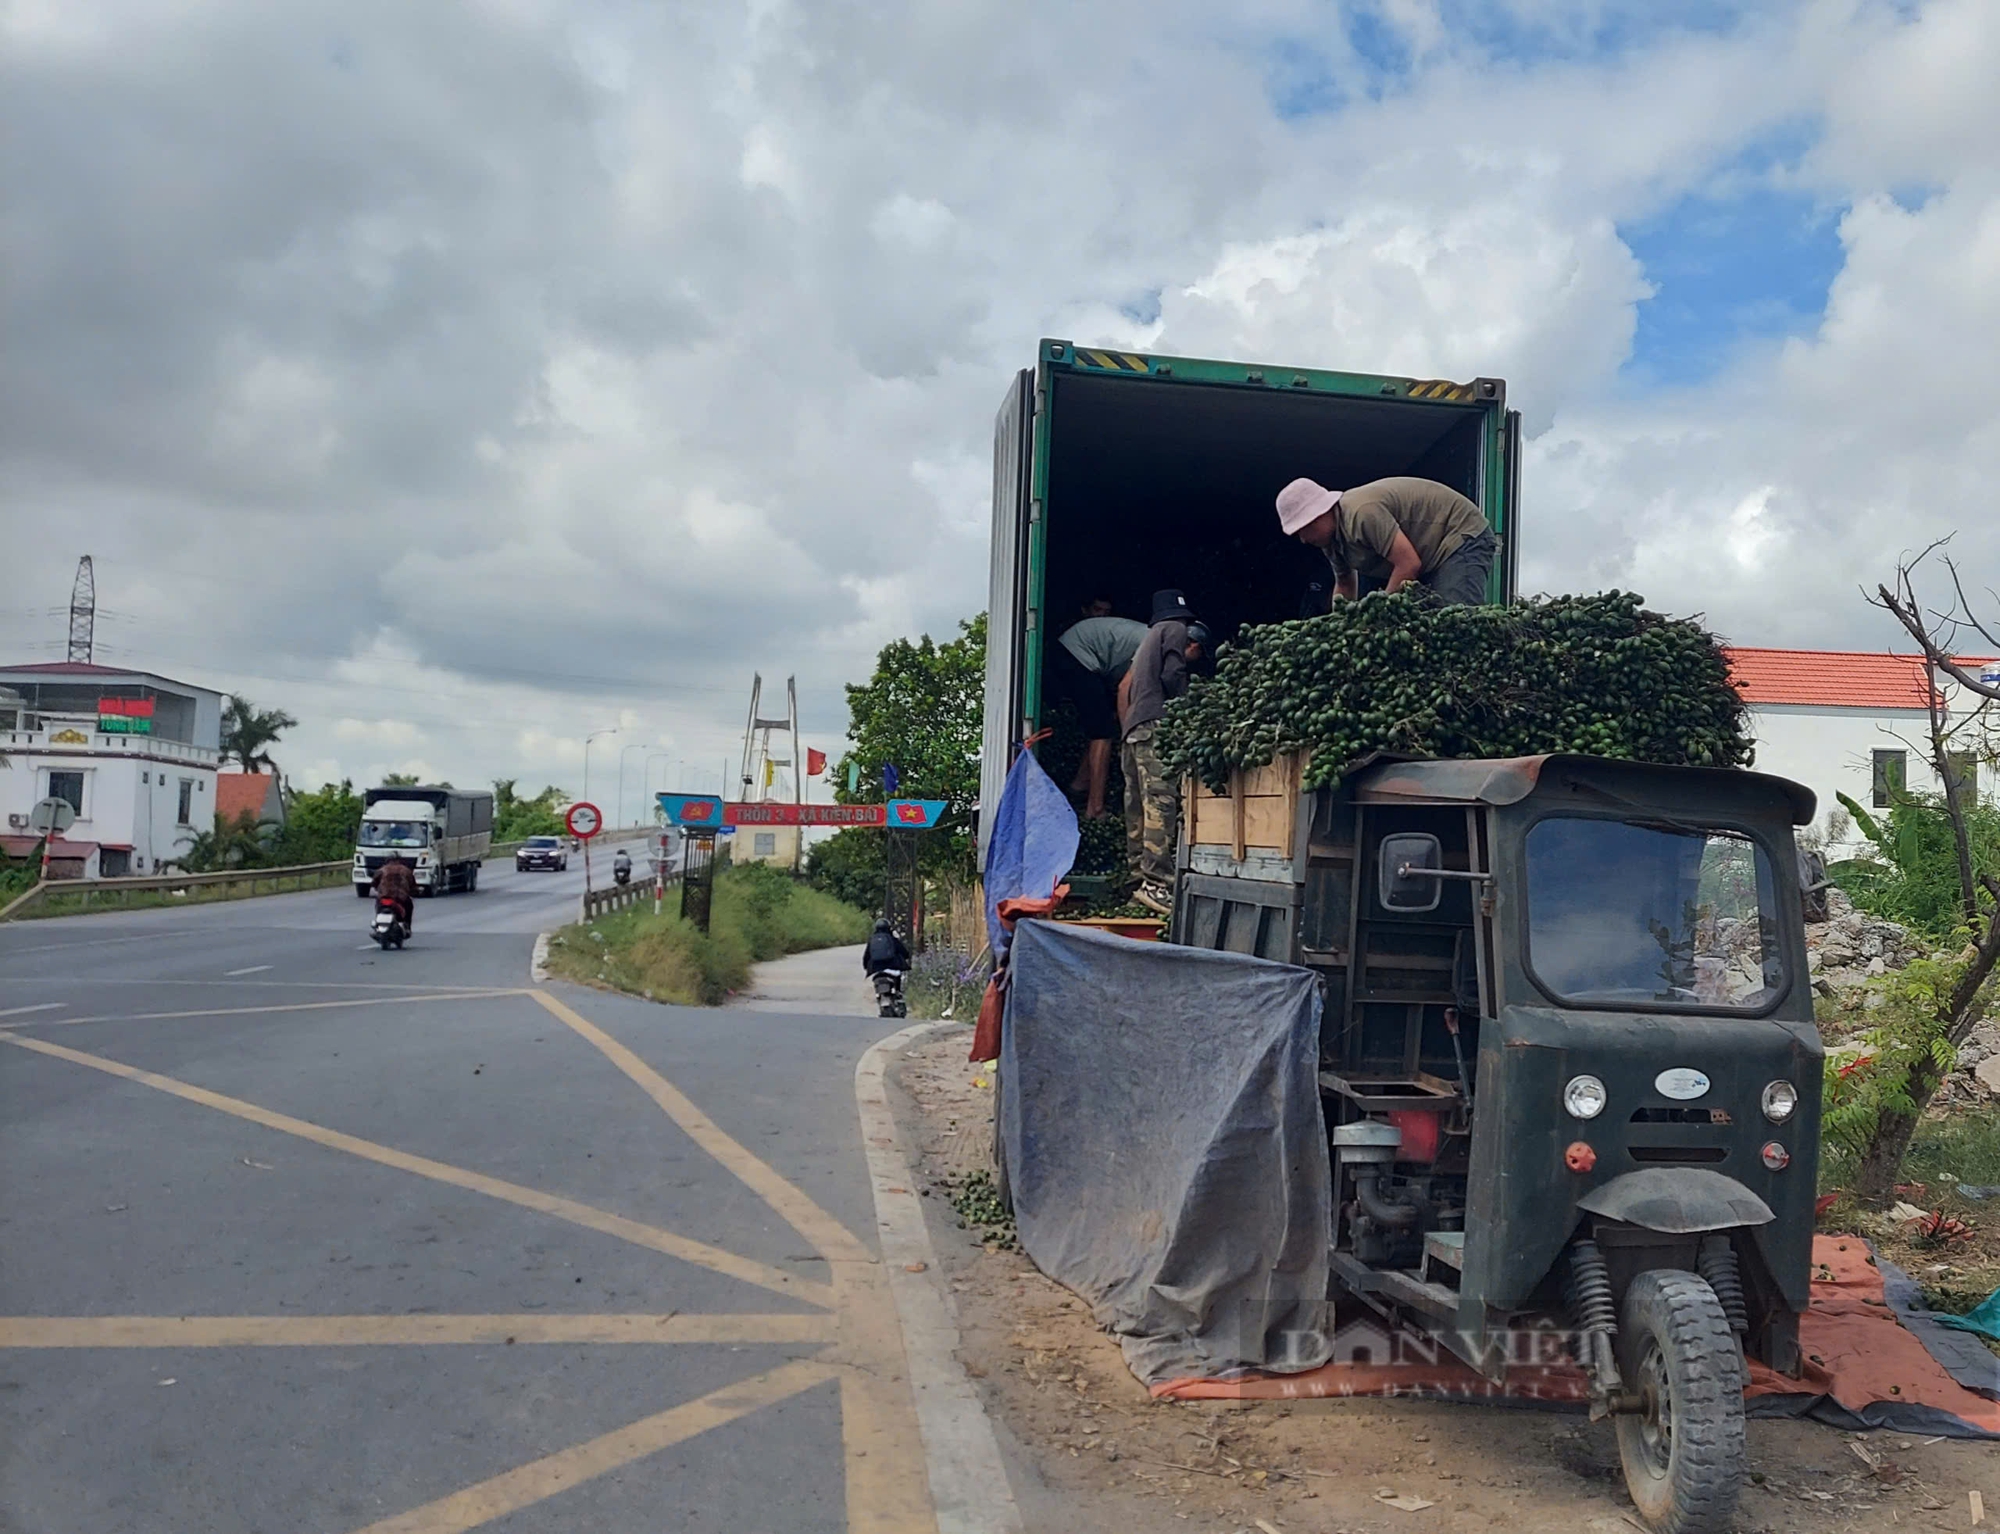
(621, 866)
(884, 951)
(394, 881)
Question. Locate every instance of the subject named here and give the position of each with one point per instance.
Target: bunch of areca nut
(1598, 674)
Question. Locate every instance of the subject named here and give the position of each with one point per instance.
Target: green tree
(851, 866)
(515, 818)
(922, 712)
(321, 826)
(238, 843)
(1930, 1009)
(248, 732)
(400, 780)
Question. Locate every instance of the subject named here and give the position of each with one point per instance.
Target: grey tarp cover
(1160, 1117)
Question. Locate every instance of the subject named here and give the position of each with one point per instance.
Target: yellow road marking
(292, 1006)
(699, 1253)
(401, 1331)
(888, 1487)
(542, 1479)
(829, 1237)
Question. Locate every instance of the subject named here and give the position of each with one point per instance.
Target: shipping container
(1118, 474)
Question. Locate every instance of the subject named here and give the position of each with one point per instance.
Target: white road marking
(40, 1006)
(254, 969)
(968, 1484)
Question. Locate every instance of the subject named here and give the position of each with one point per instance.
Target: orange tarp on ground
(1858, 1356)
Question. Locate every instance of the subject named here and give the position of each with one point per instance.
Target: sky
(466, 377)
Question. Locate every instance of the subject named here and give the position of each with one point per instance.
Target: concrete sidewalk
(826, 982)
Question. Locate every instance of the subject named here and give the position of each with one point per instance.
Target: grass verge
(943, 982)
(759, 913)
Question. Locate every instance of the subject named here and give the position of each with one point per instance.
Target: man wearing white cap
(1382, 535)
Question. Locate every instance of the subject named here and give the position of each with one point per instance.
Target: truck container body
(1117, 474)
(442, 833)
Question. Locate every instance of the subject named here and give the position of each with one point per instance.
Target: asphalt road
(296, 1235)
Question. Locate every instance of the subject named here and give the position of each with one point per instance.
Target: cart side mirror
(1409, 882)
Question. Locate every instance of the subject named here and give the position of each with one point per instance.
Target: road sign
(56, 815)
(711, 812)
(584, 820)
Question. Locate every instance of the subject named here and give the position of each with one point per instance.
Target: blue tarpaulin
(1032, 846)
(1160, 1120)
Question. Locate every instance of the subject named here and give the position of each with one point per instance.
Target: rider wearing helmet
(394, 881)
(885, 950)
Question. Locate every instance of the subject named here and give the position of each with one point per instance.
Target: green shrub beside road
(759, 913)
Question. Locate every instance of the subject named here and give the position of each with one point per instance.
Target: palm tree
(232, 844)
(247, 730)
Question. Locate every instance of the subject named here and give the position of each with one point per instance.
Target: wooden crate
(1259, 813)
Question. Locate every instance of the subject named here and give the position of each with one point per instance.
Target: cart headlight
(1584, 1097)
(1780, 1098)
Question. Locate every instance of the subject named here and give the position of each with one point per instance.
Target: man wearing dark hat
(1159, 671)
(1382, 535)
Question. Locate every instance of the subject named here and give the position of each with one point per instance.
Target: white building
(1849, 722)
(133, 753)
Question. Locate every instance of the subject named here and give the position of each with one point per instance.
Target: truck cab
(442, 833)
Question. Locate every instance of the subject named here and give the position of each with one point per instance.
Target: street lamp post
(646, 770)
(618, 815)
(607, 730)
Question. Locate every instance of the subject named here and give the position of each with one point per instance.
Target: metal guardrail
(616, 897)
(230, 884)
(79, 895)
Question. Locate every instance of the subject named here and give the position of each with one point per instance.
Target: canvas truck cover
(1161, 1122)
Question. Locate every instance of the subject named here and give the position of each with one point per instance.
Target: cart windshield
(1646, 913)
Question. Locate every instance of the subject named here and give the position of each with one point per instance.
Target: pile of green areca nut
(1405, 674)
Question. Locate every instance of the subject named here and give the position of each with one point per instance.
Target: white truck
(442, 833)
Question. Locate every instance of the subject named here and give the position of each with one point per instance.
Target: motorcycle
(389, 928)
(621, 870)
(889, 1000)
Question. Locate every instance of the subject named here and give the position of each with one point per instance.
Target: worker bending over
(1382, 535)
(1089, 661)
(1159, 671)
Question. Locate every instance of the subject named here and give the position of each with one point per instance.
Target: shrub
(758, 913)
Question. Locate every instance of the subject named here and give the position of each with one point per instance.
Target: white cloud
(496, 372)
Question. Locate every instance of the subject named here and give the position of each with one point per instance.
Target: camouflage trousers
(1152, 809)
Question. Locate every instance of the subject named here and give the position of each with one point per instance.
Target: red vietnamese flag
(815, 762)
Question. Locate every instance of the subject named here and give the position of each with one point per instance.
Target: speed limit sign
(584, 820)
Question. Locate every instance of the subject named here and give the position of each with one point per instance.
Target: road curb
(538, 962)
(969, 1487)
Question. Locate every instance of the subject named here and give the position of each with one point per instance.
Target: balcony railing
(96, 743)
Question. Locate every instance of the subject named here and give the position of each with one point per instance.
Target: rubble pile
(1851, 948)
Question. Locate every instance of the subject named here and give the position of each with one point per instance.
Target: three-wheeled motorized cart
(1568, 1064)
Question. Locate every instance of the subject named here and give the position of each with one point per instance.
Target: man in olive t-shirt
(1389, 532)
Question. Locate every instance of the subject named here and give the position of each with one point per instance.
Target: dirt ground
(1093, 1451)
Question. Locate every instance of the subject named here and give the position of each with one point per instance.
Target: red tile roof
(1832, 678)
(72, 668)
(238, 793)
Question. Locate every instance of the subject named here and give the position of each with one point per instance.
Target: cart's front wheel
(1683, 1449)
